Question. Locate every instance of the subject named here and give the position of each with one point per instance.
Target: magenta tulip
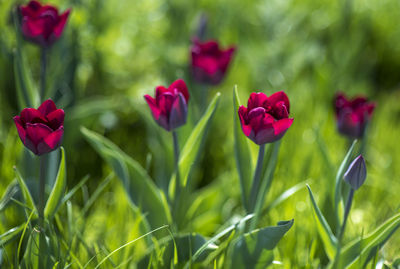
(41, 130)
(169, 107)
(41, 24)
(209, 61)
(352, 115)
(266, 119)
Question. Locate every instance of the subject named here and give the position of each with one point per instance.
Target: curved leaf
(141, 190)
(356, 254)
(25, 192)
(58, 190)
(255, 249)
(325, 232)
(10, 235)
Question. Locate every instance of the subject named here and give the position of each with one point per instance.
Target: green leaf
(255, 249)
(25, 192)
(141, 190)
(243, 155)
(357, 253)
(325, 232)
(10, 235)
(191, 149)
(186, 245)
(339, 180)
(57, 193)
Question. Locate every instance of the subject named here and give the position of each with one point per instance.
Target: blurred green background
(113, 52)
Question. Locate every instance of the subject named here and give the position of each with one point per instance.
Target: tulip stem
(256, 178)
(42, 185)
(346, 213)
(175, 202)
(342, 228)
(43, 62)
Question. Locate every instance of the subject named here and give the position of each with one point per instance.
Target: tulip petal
(243, 119)
(47, 107)
(153, 106)
(160, 90)
(20, 128)
(180, 85)
(32, 115)
(178, 112)
(56, 118)
(281, 126)
(37, 132)
(54, 139)
(58, 29)
(279, 97)
(256, 100)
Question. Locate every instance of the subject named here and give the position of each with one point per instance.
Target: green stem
(256, 179)
(177, 195)
(43, 62)
(342, 228)
(42, 185)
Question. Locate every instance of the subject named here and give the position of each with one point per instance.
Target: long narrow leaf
(57, 193)
(325, 232)
(141, 190)
(358, 252)
(243, 155)
(191, 149)
(10, 235)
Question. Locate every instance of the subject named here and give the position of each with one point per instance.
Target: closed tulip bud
(356, 173)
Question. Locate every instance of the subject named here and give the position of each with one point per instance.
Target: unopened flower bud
(356, 173)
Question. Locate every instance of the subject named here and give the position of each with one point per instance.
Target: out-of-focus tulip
(41, 24)
(209, 61)
(352, 115)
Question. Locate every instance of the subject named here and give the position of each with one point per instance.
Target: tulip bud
(356, 173)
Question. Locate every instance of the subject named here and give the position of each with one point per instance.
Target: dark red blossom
(209, 61)
(266, 119)
(41, 24)
(352, 115)
(41, 130)
(169, 107)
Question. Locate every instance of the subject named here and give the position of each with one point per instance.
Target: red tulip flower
(41, 130)
(352, 115)
(209, 61)
(266, 119)
(41, 24)
(169, 107)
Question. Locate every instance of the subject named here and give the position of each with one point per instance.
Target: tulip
(169, 107)
(266, 119)
(356, 173)
(41, 24)
(209, 61)
(352, 115)
(41, 130)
